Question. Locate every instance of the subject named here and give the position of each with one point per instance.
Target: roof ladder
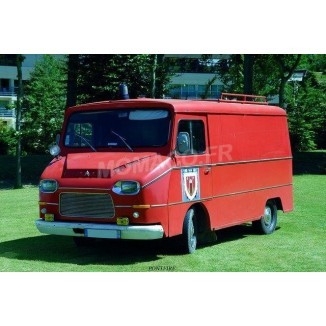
(243, 98)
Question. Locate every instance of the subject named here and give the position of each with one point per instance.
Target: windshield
(128, 129)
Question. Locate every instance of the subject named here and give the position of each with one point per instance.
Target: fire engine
(156, 168)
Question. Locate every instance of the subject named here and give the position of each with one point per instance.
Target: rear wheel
(190, 232)
(267, 223)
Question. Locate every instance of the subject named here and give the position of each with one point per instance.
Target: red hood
(100, 160)
(102, 166)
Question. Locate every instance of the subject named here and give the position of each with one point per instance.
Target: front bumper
(104, 231)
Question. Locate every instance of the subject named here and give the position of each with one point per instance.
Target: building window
(4, 85)
(194, 91)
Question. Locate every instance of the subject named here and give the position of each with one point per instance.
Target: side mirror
(57, 139)
(183, 142)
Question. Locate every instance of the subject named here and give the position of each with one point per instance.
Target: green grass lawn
(298, 244)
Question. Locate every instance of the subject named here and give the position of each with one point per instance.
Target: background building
(8, 84)
(194, 77)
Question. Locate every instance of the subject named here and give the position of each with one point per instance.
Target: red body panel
(247, 161)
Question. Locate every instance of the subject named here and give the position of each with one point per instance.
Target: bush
(7, 141)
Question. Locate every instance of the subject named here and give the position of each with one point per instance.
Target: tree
(208, 86)
(154, 68)
(286, 67)
(162, 76)
(314, 62)
(7, 140)
(72, 75)
(248, 67)
(263, 74)
(44, 104)
(100, 75)
(306, 110)
(18, 179)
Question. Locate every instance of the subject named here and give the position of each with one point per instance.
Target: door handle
(207, 170)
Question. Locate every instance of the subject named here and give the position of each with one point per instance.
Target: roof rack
(243, 98)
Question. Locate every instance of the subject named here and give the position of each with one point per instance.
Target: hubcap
(192, 235)
(267, 218)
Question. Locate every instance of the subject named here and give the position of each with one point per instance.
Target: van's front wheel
(267, 223)
(190, 232)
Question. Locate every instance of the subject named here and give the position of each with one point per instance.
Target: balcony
(11, 92)
(5, 113)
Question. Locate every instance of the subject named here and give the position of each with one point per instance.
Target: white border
(160, 298)
(163, 27)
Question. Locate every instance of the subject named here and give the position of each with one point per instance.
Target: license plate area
(103, 234)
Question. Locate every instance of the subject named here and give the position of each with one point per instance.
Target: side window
(195, 129)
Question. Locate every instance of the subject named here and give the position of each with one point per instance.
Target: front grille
(86, 205)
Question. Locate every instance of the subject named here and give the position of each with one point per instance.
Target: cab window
(195, 130)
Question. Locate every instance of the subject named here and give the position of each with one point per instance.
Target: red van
(156, 168)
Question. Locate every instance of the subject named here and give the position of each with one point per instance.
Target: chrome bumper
(104, 231)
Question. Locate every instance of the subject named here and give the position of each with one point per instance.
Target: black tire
(267, 223)
(189, 233)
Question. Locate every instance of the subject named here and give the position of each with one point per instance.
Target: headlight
(48, 185)
(126, 187)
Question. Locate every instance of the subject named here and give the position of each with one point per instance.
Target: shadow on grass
(309, 162)
(237, 232)
(60, 249)
(234, 233)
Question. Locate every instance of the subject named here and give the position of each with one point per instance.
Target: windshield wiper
(86, 141)
(123, 140)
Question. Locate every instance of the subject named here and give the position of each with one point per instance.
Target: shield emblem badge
(191, 184)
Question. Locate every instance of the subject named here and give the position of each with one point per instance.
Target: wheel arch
(202, 217)
(278, 202)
